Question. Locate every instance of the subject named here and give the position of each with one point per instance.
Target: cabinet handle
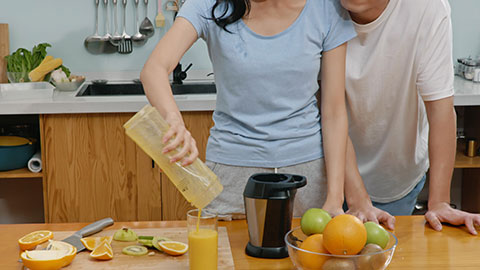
(153, 164)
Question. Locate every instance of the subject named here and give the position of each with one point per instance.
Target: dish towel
(35, 163)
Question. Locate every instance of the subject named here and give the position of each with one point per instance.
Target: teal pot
(15, 152)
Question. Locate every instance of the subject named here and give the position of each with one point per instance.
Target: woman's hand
(333, 209)
(178, 137)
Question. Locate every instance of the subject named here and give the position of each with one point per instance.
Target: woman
(266, 56)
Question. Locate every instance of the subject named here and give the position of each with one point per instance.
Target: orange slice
(33, 239)
(91, 243)
(173, 247)
(102, 251)
(47, 259)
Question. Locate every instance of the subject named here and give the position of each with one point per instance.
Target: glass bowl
(371, 261)
(68, 86)
(18, 77)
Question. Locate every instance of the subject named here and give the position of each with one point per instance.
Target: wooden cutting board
(158, 261)
(4, 51)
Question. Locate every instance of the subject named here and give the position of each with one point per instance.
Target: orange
(47, 259)
(91, 243)
(33, 239)
(313, 243)
(103, 251)
(345, 235)
(173, 247)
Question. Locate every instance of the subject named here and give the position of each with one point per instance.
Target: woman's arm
(334, 125)
(154, 77)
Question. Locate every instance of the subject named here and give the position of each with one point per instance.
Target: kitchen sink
(122, 89)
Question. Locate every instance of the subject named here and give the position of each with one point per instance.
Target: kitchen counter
(420, 247)
(467, 93)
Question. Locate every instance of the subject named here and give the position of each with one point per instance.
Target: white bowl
(68, 86)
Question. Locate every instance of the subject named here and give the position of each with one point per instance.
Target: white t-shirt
(395, 63)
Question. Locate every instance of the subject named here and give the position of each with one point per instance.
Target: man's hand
(367, 212)
(443, 212)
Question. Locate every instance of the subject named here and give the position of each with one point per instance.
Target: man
(399, 82)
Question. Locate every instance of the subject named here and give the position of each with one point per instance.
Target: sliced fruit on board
(135, 250)
(158, 239)
(173, 247)
(91, 243)
(33, 239)
(47, 259)
(102, 251)
(125, 234)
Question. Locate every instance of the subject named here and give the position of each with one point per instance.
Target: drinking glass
(202, 240)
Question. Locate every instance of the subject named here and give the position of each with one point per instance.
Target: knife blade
(90, 229)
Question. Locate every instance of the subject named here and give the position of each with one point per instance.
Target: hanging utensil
(160, 19)
(138, 39)
(125, 45)
(116, 37)
(107, 38)
(146, 27)
(94, 43)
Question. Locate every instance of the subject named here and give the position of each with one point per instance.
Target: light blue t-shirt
(266, 112)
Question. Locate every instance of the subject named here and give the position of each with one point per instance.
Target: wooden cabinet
(470, 165)
(93, 170)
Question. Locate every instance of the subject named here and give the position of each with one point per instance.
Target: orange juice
(203, 249)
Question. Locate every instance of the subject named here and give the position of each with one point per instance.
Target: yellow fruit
(102, 251)
(91, 243)
(47, 259)
(44, 68)
(173, 247)
(33, 239)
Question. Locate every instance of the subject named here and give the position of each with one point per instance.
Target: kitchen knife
(90, 229)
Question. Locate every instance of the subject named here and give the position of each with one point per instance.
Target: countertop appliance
(269, 201)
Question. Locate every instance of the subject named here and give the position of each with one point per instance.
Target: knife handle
(95, 227)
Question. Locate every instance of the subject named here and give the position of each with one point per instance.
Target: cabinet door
(93, 170)
(174, 205)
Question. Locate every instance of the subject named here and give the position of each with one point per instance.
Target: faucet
(179, 75)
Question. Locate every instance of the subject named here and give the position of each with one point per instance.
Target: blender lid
(273, 185)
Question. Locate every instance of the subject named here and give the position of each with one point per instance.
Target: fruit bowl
(307, 260)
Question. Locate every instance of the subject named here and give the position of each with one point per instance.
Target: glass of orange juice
(202, 240)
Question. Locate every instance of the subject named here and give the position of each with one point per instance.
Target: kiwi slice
(135, 250)
(157, 239)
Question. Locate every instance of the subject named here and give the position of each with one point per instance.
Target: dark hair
(239, 9)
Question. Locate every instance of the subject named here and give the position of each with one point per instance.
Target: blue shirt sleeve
(341, 27)
(198, 13)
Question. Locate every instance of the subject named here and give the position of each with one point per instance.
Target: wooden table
(420, 247)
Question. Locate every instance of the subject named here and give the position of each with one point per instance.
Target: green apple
(376, 234)
(314, 221)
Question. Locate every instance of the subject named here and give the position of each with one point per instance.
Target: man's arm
(442, 146)
(359, 203)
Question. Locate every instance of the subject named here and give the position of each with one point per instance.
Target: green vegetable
(145, 241)
(22, 61)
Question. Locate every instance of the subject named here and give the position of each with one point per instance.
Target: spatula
(160, 19)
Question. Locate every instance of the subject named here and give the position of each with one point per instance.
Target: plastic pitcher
(198, 184)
